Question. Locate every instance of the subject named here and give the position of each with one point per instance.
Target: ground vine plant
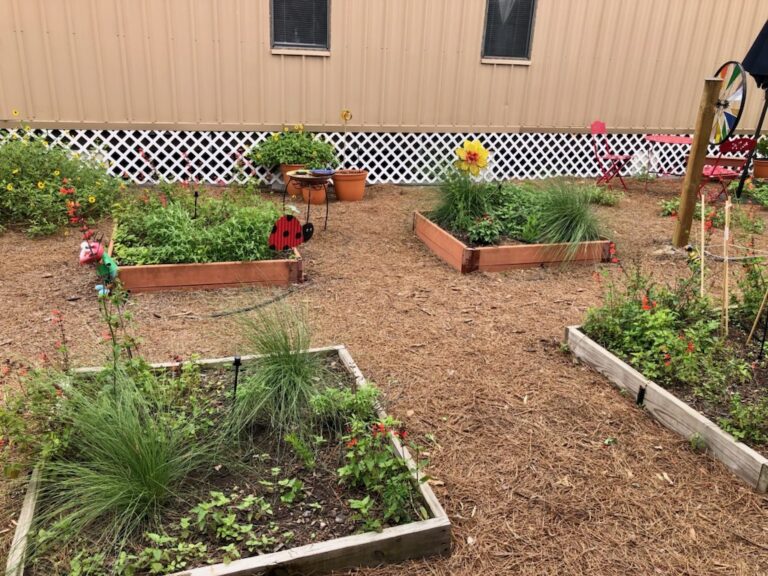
(163, 228)
(147, 472)
(672, 336)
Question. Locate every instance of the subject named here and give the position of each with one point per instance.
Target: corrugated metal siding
(399, 65)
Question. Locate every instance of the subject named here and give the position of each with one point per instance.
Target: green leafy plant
(162, 229)
(373, 463)
(603, 196)
(294, 146)
(747, 422)
(334, 407)
(761, 150)
(37, 179)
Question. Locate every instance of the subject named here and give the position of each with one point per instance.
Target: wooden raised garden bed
(408, 541)
(466, 259)
(670, 411)
(156, 277)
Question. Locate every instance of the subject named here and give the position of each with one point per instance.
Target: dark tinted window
(508, 28)
(300, 23)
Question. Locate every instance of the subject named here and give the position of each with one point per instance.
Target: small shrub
(294, 146)
(34, 177)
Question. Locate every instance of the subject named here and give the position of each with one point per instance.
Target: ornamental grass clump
(39, 181)
(566, 216)
(127, 458)
(278, 392)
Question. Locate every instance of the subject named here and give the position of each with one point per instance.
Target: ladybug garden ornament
(288, 233)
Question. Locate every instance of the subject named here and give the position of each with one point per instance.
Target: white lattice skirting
(145, 156)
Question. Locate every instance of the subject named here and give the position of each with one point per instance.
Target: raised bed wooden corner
(157, 277)
(498, 258)
(419, 539)
(670, 411)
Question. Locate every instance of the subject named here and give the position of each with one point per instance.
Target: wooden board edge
(466, 261)
(424, 538)
(676, 415)
(696, 421)
(582, 347)
(17, 554)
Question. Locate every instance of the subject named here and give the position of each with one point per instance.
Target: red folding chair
(724, 167)
(610, 164)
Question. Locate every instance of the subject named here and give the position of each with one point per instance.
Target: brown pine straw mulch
(519, 455)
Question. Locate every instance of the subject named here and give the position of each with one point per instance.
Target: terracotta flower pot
(293, 189)
(317, 195)
(350, 184)
(760, 169)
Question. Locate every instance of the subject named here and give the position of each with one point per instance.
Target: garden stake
(703, 247)
(197, 195)
(726, 235)
(757, 317)
(762, 342)
(236, 364)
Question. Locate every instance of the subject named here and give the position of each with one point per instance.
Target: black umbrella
(756, 63)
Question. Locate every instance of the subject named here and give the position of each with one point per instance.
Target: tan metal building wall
(399, 65)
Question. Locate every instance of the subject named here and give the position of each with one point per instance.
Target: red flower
(352, 443)
(691, 347)
(106, 335)
(645, 304)
(667, 359)
(614, 260)
(5, 369)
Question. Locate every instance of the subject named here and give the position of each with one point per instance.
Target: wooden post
(726, 268)
(696, 161)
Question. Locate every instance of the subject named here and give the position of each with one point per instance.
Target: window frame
(282, 48)
(520, 60)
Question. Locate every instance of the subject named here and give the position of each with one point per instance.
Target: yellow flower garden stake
(473, 157)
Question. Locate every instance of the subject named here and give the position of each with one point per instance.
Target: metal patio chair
(610, 164)
(726, 166)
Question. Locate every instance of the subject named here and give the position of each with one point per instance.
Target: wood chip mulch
(515, 429)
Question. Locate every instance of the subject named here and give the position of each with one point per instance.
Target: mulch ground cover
(516, 430)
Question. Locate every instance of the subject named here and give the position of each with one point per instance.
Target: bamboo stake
(726, 237)
(757, 318)
(703, 246)
(696, 159)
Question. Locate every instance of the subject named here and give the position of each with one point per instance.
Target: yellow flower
(15, 112)
(56, 173)
(472, 157)
(298, 127)
(15, 170)
(9, 187)
(276, 136)
(41, 185)
(91, 199)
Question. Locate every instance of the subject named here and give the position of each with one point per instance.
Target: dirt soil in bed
(519, 455)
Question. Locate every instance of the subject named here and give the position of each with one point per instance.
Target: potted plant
(292, 149)
(350, 184)
(760, 169)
